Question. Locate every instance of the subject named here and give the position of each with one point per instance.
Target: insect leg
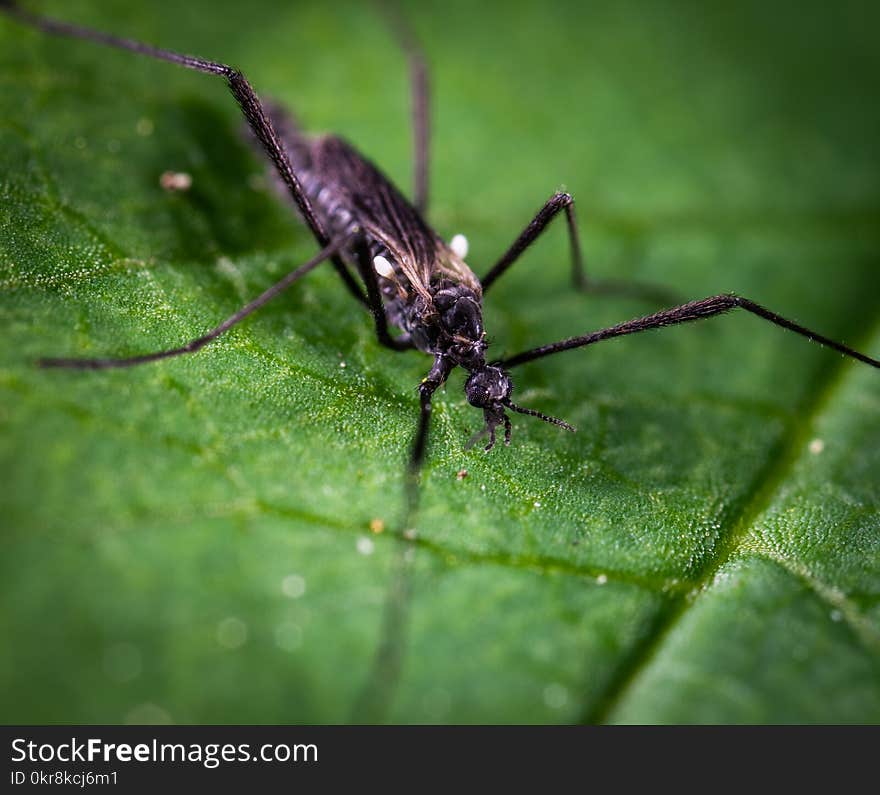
(420, 99)
(243, 93)
(556, 204)
(695, 310)
(430, 384)
(193, 345)
(374, 299)
(417, 451)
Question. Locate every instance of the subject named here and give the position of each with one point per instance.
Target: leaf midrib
(768, 483)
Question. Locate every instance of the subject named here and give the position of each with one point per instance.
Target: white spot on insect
(365, 545)
(231, 633)
(293, 586)
(555, 696)
(817, 446)
(459, 245)
(383, 267)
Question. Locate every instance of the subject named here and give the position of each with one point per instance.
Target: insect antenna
(540, 416)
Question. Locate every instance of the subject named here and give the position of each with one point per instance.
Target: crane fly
(392, 261)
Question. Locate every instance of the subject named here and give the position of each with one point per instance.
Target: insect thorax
(451, 325)
(430, 295)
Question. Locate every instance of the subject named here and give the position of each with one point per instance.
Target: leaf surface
(190, 541)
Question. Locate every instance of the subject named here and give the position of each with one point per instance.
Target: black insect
(413, 279)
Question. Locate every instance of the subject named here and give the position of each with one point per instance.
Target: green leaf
(191, 541)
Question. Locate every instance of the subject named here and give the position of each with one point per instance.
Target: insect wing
(380, 209)
(453, 268)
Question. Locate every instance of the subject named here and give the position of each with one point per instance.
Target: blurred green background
(190, 541)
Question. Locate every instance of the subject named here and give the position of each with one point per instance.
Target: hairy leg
(686, 313)
(199, 342)
(242, 91)
(420, 99)
(557, 203)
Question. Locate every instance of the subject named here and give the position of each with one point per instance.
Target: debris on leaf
(175, 181)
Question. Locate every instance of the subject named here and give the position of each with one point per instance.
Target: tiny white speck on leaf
(232, 632)
(293, 586)
(173, 181)
(555, 695)
(226, 267)
(144, 127)
(817, 446)
(288, 636)
(601, 579)
(365, 545)
(148, 715)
